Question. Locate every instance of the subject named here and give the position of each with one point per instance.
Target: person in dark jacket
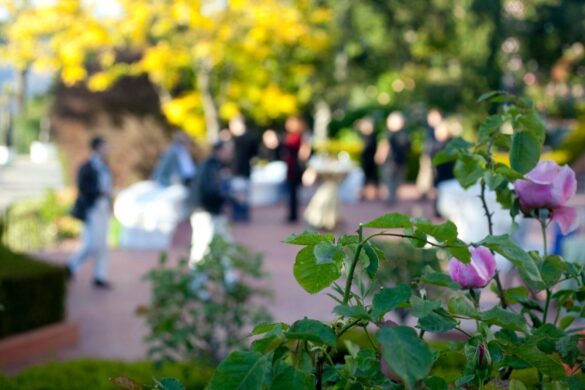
(393, 154)
(209, 195)
(245, 149)
(368, 163)
(296, 151)
(93, 206)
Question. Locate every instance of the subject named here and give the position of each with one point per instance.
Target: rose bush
(533, 325)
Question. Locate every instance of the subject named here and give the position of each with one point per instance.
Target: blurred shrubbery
(36, 223)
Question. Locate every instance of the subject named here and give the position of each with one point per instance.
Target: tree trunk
(209, 108)
(20, 90)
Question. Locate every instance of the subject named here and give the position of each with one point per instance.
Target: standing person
(245, 148)
(176, 164)
(393, 154)
(271, 148)
(93, 206)
(367, 158)
(295, 152)
(424, 179)
(209, 195)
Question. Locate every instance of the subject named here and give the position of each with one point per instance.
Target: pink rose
(549, 186)
(478, 272)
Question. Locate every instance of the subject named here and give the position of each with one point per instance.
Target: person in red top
(295, 152)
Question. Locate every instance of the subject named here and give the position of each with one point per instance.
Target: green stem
(464, 332)
(369, 337)
(489, 215)
(544, 254)
(348, 327)
(354, 262)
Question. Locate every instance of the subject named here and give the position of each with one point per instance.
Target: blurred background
(135, 71)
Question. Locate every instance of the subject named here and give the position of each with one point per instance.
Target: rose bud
(478, 272)
(549, 186)
(483, 358)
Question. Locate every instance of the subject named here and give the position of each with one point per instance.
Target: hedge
(94, 374)
(32, 293)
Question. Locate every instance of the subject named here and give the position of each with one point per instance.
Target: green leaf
(541, 361)
(438, 279)
(576, 382)
(504, 318)
(491, 95)
(490, 126)
(169, 384)
(423, 307)
(390, 221)
(241, 370)
(568, 349)
(314, 277)
(265, 328)
(454, 148)
(505, 246)
(287, 377)
(372, 267)
(357, 312)
(309, 238)
(461, 306)
(437, 322)
(348, 239)
(493, 180)
(552, 269)
(566, 322)
(442, 232)
(468, 170)
(312, 330)
(389, 299)
(459, 250)
(533, 124)
(405, 353)
(327, 253)
(525, 152)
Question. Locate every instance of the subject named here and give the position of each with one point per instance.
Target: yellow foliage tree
(253, 57)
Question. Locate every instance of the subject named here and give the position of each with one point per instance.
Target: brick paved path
(111, 329)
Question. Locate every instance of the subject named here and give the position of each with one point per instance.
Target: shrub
(203, 311)
(37, 222)
(32, 293)
(529, 337)
(95, 374)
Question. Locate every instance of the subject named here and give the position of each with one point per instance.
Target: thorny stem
(489, 215)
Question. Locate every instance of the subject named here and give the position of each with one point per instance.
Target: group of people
(388, 158)
(222, 178)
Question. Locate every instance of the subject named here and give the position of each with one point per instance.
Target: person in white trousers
(209, 195)
(93, 207)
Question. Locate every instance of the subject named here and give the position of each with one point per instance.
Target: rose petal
(484, 262)
(566, 217)
(544, 172)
